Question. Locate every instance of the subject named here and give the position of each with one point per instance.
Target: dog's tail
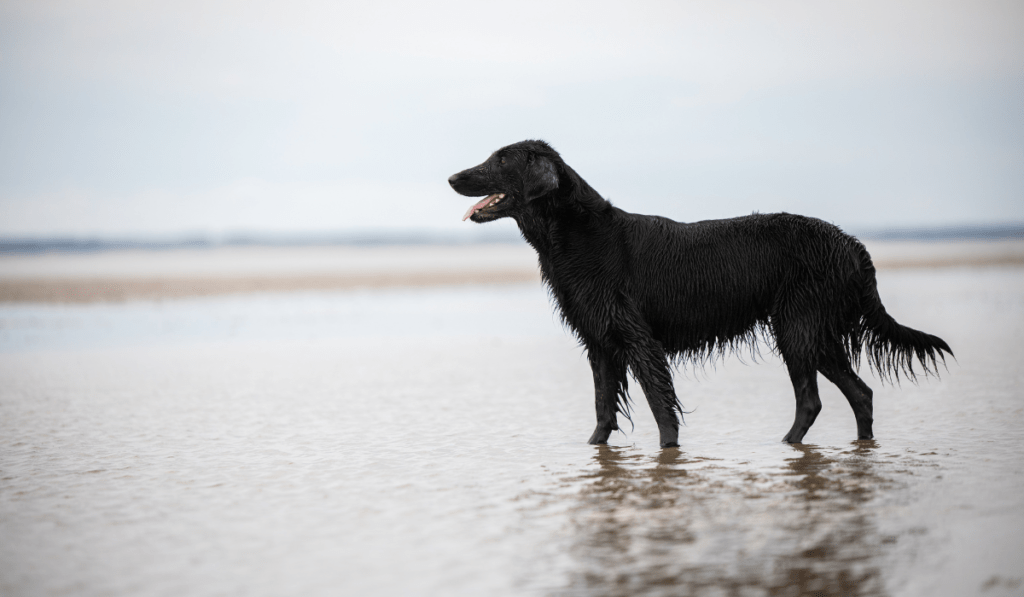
(891, 347)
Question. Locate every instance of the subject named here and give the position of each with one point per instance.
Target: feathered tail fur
(892, 348)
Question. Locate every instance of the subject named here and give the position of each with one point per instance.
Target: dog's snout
(454, 178)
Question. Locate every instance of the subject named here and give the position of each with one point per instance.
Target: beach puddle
(399, 442)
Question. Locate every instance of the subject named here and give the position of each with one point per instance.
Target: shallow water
(432, 442)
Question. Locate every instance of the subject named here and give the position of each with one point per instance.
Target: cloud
(771, 105)
(252, 47)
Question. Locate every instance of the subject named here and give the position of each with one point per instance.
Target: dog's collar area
(486, 202)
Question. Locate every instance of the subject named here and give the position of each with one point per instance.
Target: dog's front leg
(650, 367)
(609, 394)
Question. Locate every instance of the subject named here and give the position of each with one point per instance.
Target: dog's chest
(589, 303)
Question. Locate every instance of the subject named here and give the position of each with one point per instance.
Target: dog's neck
(560, 218)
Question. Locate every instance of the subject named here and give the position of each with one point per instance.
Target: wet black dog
(640, 291)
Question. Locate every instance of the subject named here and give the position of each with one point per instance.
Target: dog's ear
(541, 178)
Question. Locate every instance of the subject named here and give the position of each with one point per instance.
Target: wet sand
(178, 273)
(147, 275)
(431, 441)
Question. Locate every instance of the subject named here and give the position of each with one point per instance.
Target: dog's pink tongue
(483, 203)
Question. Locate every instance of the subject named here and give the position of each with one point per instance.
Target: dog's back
(702, 286)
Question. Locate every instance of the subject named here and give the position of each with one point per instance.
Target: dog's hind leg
(797, 341)
(808, 404)
(609, 387)
(857, 393)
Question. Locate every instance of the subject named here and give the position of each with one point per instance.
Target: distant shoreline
(69, 244)
(139, 274)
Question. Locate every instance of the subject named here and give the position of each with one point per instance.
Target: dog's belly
(695, 325)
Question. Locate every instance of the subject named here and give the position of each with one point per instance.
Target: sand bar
(112, 276)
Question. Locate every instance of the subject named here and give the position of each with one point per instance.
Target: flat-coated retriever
(641, 291)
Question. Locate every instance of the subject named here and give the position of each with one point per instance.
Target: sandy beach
(177, 273)
(395, 439)
(154, 274)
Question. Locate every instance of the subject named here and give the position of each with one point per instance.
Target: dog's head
(509, 180)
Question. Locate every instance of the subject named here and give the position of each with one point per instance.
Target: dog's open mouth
(487, 202)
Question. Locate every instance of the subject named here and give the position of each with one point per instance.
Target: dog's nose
(453, 179)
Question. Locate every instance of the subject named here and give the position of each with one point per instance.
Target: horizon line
(111, 242)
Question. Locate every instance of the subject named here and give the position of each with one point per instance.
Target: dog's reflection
(674, 524)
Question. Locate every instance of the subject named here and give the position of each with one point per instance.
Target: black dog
(639, 291)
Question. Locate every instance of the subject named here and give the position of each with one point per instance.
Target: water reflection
(680, 525)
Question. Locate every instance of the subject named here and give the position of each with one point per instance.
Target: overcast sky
(136, 118)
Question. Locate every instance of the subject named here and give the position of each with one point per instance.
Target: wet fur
(641, 291)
